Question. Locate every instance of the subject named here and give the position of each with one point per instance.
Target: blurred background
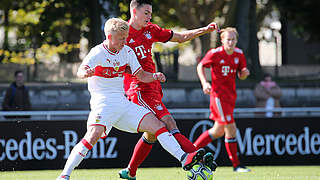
(47, 40)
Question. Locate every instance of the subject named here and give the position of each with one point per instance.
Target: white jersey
(109, 68)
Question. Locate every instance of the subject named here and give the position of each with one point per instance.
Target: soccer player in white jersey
(104, 67)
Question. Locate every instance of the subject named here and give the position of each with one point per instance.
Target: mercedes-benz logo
(201, 127)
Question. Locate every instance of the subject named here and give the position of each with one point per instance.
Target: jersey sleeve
(243, 62)
(161, 34)
(133, 61)
(208, 59)
(92, 59)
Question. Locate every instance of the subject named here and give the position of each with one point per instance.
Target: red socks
(185, 143)
(203, 140)
(141, 151)
(232, 149)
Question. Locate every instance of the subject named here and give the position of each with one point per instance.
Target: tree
(303, 14)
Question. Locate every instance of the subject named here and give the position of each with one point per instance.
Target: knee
(169, 122)
(216, 132)
(93, 135)
(149, 137)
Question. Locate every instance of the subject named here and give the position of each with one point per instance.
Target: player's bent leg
(141, 151)
(184, 142)
(169, 143)
(80, 150)
(210, 135)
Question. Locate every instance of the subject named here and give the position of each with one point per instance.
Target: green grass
(222, 173)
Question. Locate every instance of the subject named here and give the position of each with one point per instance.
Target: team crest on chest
(159, 107)
(116, 65)
(236, 60)
(147, 34)
(222, 61)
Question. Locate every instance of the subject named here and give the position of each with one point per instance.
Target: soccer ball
(200, 172)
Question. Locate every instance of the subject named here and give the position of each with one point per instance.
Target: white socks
(76, 156)
(169, 143)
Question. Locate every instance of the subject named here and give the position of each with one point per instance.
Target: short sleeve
(92, 59)
(133, 61)
(208, 59)
(243, 62)
(161, 34)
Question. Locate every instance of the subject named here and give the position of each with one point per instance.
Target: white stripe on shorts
(143, 103)
(218, 103)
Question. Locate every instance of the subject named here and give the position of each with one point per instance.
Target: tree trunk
(242, 24)
(253, 50)
(284, 38)
(96, 35)
(6, 29)
(205, 44)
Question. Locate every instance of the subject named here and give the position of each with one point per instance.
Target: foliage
(304, 16)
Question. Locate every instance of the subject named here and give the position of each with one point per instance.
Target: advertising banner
(44, 144)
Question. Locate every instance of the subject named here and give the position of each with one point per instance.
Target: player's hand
(159, 76)
(206, 88)
(243, 74)
(85, 72)
(213, 26)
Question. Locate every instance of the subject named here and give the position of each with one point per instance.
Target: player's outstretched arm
(191, 34)
(85, 72)
(147, 77)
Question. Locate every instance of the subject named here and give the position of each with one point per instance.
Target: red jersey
(224, 69)
(141, 42)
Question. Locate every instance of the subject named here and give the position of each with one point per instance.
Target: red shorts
(151, 101)
(221, 112)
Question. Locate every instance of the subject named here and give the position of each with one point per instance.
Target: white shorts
(116, 112)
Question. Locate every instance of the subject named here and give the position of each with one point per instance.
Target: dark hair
(17, 72)
(137, 3)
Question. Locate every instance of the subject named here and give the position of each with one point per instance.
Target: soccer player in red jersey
(142, 35)
(225, 63)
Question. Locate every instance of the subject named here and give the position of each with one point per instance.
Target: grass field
(222, 173)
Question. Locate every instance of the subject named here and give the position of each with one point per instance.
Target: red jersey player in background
(142, 35)
(225, 62)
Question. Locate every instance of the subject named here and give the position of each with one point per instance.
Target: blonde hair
(115, 25)
(228, 29)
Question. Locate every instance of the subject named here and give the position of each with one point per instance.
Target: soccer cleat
(191, 159)
(125, 174)
(208, 160)
(241, 168)
(63, 177)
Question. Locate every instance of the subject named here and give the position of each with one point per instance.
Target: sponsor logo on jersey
(236, 60)
(159, 107)
(228, 117)
(131, 41)
(147, 35)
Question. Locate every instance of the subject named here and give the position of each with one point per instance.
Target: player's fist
(85, 72)
(206, 88)
(213, 26)
(243, 74)
(159, 76)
